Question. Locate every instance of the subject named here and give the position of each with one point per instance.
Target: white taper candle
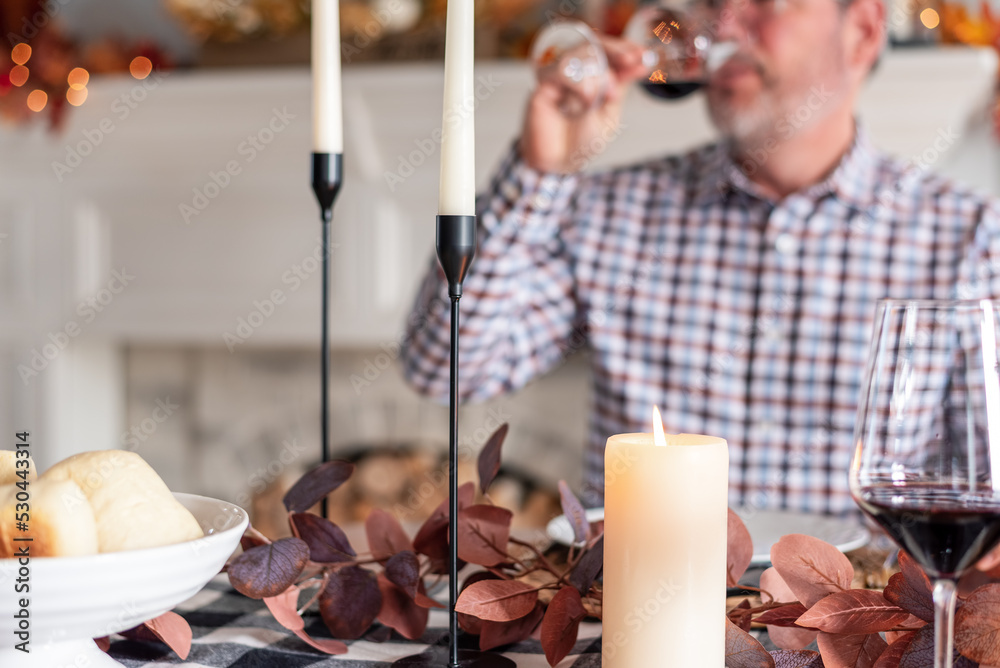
(328, 124)
(458, 155)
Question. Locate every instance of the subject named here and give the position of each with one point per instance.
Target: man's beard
(746, 127)
(766, 118)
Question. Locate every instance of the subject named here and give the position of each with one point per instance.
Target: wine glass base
(438, 656)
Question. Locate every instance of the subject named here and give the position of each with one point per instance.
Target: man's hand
(551, 140)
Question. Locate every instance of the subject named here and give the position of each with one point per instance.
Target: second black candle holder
(456, 247)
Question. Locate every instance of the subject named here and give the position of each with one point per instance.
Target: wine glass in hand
(928, 440)
(677, 49)
(576, 105)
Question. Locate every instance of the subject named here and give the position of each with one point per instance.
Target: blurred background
(158, 236)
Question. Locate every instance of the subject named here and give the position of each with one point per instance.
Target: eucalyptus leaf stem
(319, 591)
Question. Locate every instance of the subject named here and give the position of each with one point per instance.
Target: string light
(140, 67)
(78, 78)
(19, 75)
(37, 100)
(930, 18)
(76, 96)
(20, 54)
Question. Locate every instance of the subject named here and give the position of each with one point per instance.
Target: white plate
(766, 527)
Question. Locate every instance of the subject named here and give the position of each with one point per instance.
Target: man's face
(790, 54)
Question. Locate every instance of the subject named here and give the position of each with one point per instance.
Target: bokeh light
(140, 67)
(78, 78)
(19, 75)
(76, 96)
(37, 99)
(20, 54)
(930, 18)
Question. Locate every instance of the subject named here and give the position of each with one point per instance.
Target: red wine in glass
(673, 90)
(946, 530)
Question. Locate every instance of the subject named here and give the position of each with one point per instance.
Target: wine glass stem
(945, 595)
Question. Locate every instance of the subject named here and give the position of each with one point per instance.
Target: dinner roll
(8, 467)
(58, 523)
(132, 505)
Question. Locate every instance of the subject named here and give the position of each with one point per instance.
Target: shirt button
(786, 244)
(766, 428)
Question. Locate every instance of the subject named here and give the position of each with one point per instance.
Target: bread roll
(8, 467)
(132, 505)
(59, 520)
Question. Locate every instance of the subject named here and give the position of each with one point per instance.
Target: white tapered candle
(458, 155)
(328, 124)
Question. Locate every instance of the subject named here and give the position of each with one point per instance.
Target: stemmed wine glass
(678, 54)
(927, 440)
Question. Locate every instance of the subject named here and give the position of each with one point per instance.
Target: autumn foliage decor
(805, 600)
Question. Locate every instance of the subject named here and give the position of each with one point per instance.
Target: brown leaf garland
(495, 634)
(977, 625)
(483, 533)
(399, 611)
(811, 568)
(489, 457)
(561, 624)
(853, 611)
(850, 650)
(739, 549)
(497, 600)
(350, 602)
(385, 535)
(574, 512)
(743, 650)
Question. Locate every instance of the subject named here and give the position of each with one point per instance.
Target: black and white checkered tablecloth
(232, 631)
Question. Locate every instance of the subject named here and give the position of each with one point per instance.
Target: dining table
(233, 631)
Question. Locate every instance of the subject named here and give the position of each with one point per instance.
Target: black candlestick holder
(456, 247)
(327, 177)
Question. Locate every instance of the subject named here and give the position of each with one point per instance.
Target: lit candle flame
(659, 438)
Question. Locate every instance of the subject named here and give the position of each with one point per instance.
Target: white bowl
(75, 599)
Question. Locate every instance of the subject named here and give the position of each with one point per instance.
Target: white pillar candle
(328, 124)
(458, 156)
(665, 521)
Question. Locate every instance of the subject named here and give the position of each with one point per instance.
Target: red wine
(673, 90)
(946, 530)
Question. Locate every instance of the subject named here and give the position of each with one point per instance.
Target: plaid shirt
(738, 316)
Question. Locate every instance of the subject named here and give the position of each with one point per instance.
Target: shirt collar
(853, 181)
